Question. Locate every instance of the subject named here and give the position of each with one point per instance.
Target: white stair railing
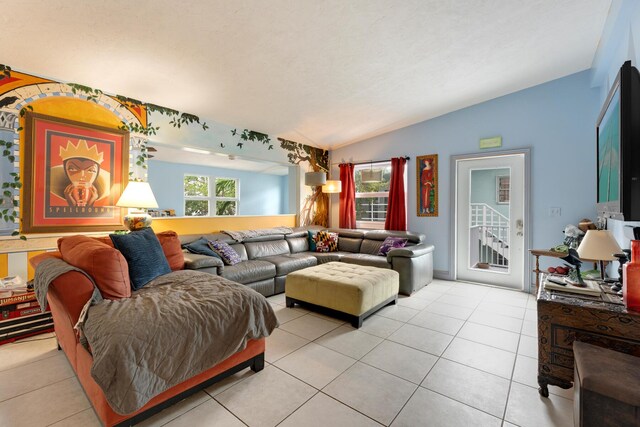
(492, 227)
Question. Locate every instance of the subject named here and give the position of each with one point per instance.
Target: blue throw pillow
(312, 241)
(200, 247)
(143, 252)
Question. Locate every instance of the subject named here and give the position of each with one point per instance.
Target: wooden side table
(564, 318)
(543, 252)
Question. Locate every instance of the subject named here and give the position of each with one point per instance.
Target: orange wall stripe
(18, 80)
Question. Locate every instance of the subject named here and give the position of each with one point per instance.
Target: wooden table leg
(537, 272)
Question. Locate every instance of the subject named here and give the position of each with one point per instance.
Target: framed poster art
(74, 173)
(427, 185)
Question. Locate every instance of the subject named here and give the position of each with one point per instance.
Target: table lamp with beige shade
(599, 245)
(137, 196)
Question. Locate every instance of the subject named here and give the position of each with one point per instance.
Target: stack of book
(20, 313)
(563, 284)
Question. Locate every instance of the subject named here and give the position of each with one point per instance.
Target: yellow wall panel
(204, 225)
(4, 265)
(30, 270)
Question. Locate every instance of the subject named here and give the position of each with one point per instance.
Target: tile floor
(453, 354)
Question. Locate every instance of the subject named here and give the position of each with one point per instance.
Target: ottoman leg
(356, 322)
(290, 302)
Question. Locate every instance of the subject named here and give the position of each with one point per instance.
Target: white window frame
(186, 198)
(373, 225)
(216, 199)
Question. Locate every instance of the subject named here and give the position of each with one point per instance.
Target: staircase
(491, 231)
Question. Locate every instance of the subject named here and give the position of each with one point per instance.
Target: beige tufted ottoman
(355, 290)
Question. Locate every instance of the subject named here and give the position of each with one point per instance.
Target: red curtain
(396, 211)
(347, 196)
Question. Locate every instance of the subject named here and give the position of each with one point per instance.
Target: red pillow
(105, 264)
(172, 249)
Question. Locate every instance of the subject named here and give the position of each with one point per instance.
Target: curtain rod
(373, 161)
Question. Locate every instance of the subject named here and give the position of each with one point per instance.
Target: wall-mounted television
(618, 148)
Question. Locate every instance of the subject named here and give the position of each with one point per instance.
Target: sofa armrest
(410, 251)
(196, 261)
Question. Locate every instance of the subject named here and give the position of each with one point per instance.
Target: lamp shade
(332, 186)
(598, 245)
(137, 195)
(315, 178)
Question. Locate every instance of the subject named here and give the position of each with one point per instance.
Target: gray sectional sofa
(267, 260)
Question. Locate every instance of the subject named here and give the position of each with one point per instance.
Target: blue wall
(260, 194)
(620, 42)
(556, 120)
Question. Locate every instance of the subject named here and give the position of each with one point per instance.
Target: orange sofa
(67, 296)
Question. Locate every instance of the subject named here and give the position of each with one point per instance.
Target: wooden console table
(564, 318)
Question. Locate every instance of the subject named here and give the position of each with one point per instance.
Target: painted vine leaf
(8, 205)
(298, 153)
(5, 72)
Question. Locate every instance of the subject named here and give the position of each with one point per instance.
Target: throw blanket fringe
(248, 234)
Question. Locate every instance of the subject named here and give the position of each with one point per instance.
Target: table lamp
(599, 245)
(137, 196)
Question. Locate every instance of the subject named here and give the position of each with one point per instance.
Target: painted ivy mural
(19, 90)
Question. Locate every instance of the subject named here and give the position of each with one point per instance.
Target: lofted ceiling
(326, 73)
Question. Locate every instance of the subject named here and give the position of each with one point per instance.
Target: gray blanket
(177, 326)
(248, 234)
(47, 271)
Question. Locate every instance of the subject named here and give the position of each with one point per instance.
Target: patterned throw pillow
(227, 253)
(326, 241)
(391, 243)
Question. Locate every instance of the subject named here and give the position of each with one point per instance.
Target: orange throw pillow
(105, 264)
(172, 249)
(106, 240)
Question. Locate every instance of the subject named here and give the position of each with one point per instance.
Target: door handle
(519, 227)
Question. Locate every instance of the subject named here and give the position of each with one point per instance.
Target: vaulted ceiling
(327, 73)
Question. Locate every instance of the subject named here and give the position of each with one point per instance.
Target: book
(23, 297)
(20, 312)
(592, 287)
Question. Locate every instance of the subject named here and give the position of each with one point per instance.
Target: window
(226, 196)
(372, 197)
(502, 189)
(196, 195)
(199, 201)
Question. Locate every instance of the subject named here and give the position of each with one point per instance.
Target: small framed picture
(427, 185)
